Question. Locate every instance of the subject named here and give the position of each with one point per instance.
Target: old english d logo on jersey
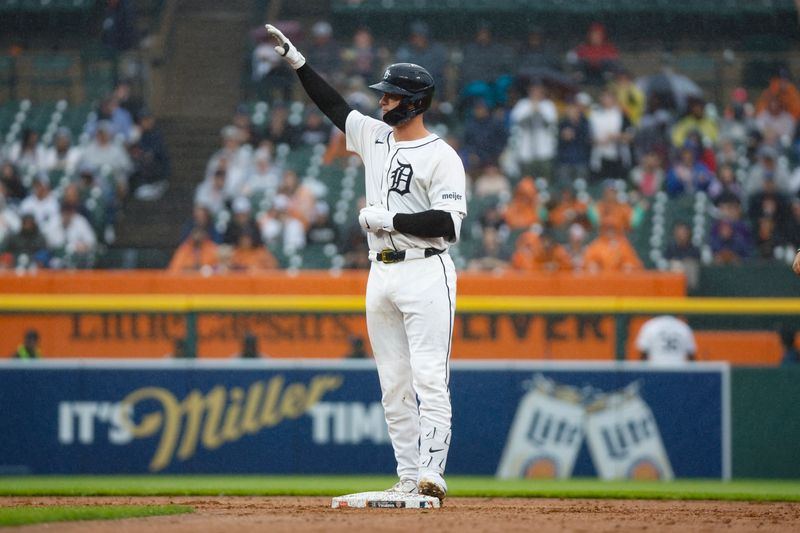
(401, 178)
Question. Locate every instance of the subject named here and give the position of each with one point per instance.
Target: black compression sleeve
(427, 224)
(327, 99)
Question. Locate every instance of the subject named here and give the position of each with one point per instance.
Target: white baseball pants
(410, 309)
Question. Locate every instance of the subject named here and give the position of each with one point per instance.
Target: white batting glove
(285, 48)
(376, 218)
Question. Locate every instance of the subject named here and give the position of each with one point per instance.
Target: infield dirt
(313, 514)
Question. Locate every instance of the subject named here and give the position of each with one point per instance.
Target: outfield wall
(294, 315)
(109, 314)
(511, 419)
(766, 429)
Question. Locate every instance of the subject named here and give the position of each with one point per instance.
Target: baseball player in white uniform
(415, 190)
(665, 340)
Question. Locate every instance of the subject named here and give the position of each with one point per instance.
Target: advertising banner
(296, 334)
(476, 335)
(511, 419)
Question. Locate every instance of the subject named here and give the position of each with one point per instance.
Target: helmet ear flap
(408, 108)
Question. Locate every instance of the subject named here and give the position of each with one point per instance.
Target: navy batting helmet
(413, 83)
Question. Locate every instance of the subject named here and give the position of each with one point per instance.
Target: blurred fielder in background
(666, 340)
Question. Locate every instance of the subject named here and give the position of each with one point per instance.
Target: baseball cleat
(432, 485)
(406, 486)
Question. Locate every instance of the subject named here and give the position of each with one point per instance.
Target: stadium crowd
(567, 154)
(571, 161)
(60, 200)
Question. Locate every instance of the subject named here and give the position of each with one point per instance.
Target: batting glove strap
(376, 218)
(285, 48)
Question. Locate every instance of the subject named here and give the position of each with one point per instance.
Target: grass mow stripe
(24, 515)
(480, 486)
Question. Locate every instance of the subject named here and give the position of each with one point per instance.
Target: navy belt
(395, 256)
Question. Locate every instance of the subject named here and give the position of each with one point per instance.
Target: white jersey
(666, 340)
(407, 177)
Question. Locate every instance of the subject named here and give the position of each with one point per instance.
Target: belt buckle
(384, 256)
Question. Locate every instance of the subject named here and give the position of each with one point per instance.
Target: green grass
(166, 485)
(21, 515)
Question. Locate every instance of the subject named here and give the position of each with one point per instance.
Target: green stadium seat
(52, 6)
(71, 5)
(98, 71)
(314, 257)
(332, 177)
(280, 256)
(679, 209)
(39, 117)
(9, 6)
(35, 6)
(98, 80)
(54, 75)
(8, 77)
(74, 118)
(468, 247)
(7, 111)
(297, 159)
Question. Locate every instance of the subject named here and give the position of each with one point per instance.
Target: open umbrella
(557, 83)
(673, 89)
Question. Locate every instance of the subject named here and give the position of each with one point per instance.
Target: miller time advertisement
(510, 419)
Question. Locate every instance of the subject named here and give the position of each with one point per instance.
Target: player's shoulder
(446, 157)
(444, 149)
(364, 124)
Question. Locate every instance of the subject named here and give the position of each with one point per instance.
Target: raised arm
(327, 99)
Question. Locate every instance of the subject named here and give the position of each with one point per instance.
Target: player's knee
(431, 385)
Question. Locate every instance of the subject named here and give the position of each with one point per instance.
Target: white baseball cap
(241, 205)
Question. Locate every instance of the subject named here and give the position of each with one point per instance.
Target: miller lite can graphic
(546, 433)
(623, 437)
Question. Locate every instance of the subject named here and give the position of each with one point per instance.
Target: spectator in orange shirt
(302, 202)
(568, 209)
(523, 209)
(610, 210)
(525, 250)
(611, 252)
(540, 253)
(785, 91)
(249, 256)
(197, 253)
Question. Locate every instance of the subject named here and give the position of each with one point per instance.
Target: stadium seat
(7, 111)
(39, 116)
(98, 71)
(75, 118)
(315, 257)
(297, 158)
(53, 76)
(8, 77)
(9, 6)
